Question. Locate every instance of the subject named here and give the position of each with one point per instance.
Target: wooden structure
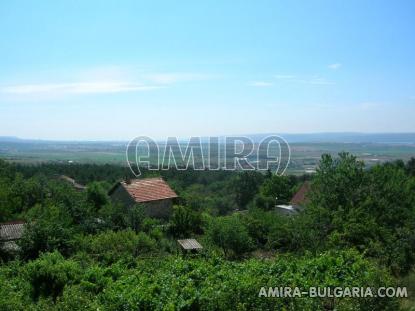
(72, 181)
(10, 232)
(189, 246)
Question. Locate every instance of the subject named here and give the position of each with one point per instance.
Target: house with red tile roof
(153, 193)
(300, 197)
(297, 202)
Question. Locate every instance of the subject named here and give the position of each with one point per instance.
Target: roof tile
(301, 196)
(149, 189)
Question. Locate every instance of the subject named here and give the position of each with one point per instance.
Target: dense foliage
(52, 282)
(80, 250)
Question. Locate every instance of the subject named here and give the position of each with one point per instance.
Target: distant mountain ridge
(9, 139)
(329, 137)
(385, 138)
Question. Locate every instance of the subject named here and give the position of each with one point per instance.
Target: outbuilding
(154, 193)
(10, 233)
(189, 246)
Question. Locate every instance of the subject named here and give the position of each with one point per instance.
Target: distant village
(155, 195)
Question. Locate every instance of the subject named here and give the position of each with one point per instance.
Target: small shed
(72, 181)
(10, 232)
(190, 245)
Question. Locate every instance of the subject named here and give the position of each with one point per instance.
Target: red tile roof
(149, 189)
(301, 196)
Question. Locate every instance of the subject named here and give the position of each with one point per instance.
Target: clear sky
(118, 69)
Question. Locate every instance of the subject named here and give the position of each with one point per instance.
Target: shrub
(230, 234)
(191, 284)
(110, 246)
(96, 195)
(184, 222)
(48, 230)
(50, 273)
(14, 289)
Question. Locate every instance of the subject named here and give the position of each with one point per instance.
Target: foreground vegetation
(51, 282)
(80, 251)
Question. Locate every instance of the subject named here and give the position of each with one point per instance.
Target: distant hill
(381, 138)
(9, 139)
(346, 137)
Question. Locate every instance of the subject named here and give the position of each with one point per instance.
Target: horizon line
(8, 138)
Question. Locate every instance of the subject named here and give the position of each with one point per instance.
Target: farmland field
(304, 155)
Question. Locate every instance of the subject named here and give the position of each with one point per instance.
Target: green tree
(109, 246)
(246, 185)
(371, 210)
(113, 216)
(230, 234)
(264, 202)
(410, 167)
(135, 217)
(48, 229)
(277, 187)
(184, 222)
(96, 195)
(50, 274)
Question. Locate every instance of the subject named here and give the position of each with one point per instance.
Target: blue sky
(120, 69)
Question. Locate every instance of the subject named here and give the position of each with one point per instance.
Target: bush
(50, 273)
(184, 222)
(14, 289)
(145, 244)
(189, 284)
(48, 230)
(277, 187)
(179, 284)
(109, 247)
(267, 229)
(96, 195)
(264, 202)
(230, 234)
(370, 210)
(113, 216)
